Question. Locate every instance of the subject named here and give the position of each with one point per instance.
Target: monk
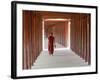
(51, 41)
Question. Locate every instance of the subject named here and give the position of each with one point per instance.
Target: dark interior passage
(32, 33)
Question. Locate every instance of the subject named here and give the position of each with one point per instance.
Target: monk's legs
(51, 49)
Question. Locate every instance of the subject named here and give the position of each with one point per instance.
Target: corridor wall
(80, 36)
(32, 37)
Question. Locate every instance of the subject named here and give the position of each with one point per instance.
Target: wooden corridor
(79, 35)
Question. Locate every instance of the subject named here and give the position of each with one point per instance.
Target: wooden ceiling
(56, 15)
(49, 15)
(52, 23)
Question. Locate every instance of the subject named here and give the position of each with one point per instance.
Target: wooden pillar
(88, 58)
(80, 35)
(32, 37)
(26, 39)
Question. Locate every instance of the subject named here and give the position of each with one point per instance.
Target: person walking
(51, 44)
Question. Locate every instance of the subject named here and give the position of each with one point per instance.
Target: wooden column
(32, 37)
(80, 35)
(26, 39)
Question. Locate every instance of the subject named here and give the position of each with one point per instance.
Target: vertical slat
(26, 38)
(31, 38)
(80, 36)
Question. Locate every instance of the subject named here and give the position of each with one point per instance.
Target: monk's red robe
(51, 44)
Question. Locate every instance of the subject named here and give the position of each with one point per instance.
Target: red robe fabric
(51, 44)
